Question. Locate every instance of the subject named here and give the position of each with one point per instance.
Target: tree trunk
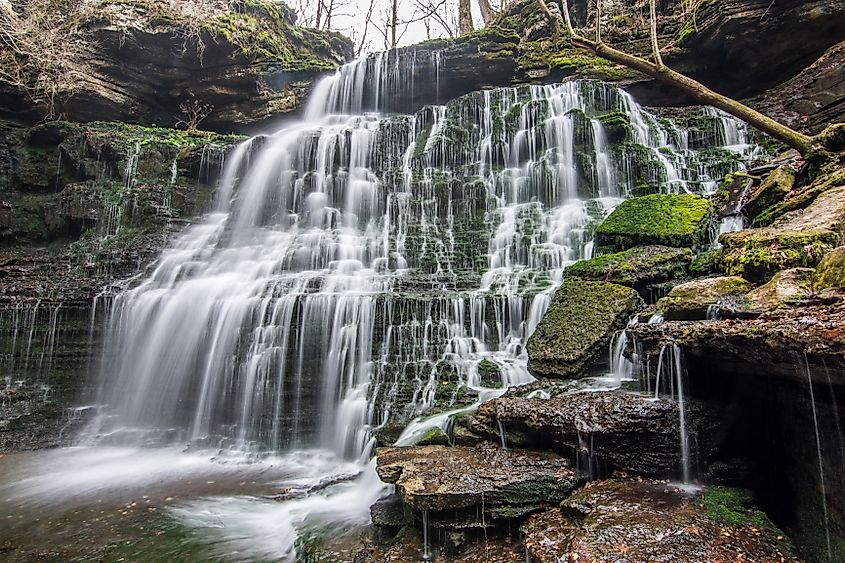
(798, 141)
(465, 17)
(487, 13)
(394, 23)
(655, 46)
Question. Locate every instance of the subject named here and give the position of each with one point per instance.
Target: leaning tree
(658, 70)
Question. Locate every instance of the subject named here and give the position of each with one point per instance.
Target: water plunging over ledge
(357, 271)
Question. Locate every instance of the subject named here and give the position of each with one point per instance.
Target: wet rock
(771, 190)
(388, 516)
(783, 289)
(434, 437)
(627, 431)
(803, 195)
(502, 483)
(774, 344)
(692, 300)
(678, 220)
(757, 254)
(638, 267)
(576, 329)
(830, 273)
(653, 521)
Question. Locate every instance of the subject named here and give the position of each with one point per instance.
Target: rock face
(141, 61)
(678, 220)
(651, 521)
(692, 300)
(581, 320)
(716, 37)
(501, 483)
(100, 211)
(830, 272)
(797, 239)
(639, 267)
(612, 429)
(785, 288)
(813, 98)
(770, 191)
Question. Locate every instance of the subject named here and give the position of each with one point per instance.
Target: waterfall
(360, 268)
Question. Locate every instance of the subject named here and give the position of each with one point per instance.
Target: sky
(350, 18)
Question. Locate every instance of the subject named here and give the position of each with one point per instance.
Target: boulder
(638, 267)
(757, 254)
(692, 300)
(830, 177)
(581, 320)
(771, 190)
(783, 289)
(830, 273)
(678, 220)
(620, 520)
(491, 481)
(628, 431)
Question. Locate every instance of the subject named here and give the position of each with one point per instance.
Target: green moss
(705, 263)
(617, 126)
(633, 267)
(691, 300)
(756, 254)
(733, 507)
(665, 219)
(830, 272)
(580, 321)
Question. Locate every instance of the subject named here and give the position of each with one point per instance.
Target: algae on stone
(785, 287)
(757, 254)
(691, 300)
(582, 318)
(678, 220)
(636, 267)
(830, 273)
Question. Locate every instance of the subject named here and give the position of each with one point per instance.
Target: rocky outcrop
(641, 267)
(493, 482)
(796, 239)
(608, 429)
(653, 521)
(784, 289)
(830, 273)
(692, 300)
(140, 61)
(811, 99)
(678, 220)
(581, 320)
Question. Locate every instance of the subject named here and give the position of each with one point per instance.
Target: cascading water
(358, 268)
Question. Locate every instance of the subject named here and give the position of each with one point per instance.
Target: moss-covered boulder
(830, 273)
(773, 189)
(575, 331)
(831, 177)
(757, 254)
(637, 267)
(678, 220)
(691, 300)
(785, 287)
